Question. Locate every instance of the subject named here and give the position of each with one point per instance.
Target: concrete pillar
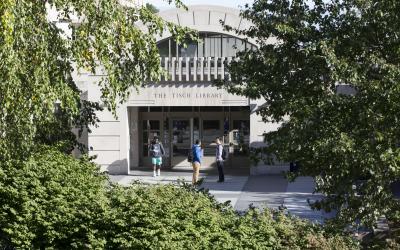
(173, 71)
(187, 68)
(209, 68)
(216, 67)
(201, 68)
(180, 69)
(166, 68)
(134, 136)
(222, 68)
(195, 69)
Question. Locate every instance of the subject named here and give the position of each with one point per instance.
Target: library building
(184, 106)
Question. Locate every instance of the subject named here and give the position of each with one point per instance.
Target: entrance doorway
(181, 140)
(179, 127)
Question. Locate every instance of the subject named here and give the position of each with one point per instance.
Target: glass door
(181, 141)
(211, 129)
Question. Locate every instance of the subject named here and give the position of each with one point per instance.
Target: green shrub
(52, 200)
(55, 201)
(171, 217)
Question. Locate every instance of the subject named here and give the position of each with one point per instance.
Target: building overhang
(206, 18)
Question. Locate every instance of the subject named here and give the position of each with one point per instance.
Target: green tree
(40, 103)
(37, 60)
(348, 142)
(152, 8)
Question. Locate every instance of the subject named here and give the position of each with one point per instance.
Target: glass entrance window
(150, 128)
(180, 137)
(211, 130)
(241, 134)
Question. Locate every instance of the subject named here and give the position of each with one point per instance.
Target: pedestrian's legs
(158, 170)
(154, 162)
(159, 162)
(196, 169)
(220, 166)
(154, 169)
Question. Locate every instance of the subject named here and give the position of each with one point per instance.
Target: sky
(163, 5)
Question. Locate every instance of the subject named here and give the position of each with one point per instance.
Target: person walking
(219, 159)
(157, 152)
(197, 153)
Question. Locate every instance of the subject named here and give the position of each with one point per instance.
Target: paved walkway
(272, 191)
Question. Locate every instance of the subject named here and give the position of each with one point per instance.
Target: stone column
(134, 136)
(123, 167)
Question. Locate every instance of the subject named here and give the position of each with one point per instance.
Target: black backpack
(155, 150)
(190, 155)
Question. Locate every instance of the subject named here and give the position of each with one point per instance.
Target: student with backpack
(220, 156)
(156, 152)
(195, 158)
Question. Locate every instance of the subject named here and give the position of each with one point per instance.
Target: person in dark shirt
(156, 152)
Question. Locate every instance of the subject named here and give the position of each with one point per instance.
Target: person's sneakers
(158, 172)
(154, 174)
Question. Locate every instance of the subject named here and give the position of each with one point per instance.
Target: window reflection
(211, 130)
(180, 137)
(241, 136)
(151, 129)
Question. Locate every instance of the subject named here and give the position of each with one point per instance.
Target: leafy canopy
(37, 60)
(349, 142)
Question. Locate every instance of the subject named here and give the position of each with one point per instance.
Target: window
(189, 51)
(163, 48)
(151, 125)
(211, 109)
(211, 130)
(180, 109)
(200, 47)
(240, 109)
(173, 47)
(156, 109)
(143, 109)
(150, 128)
(211, 124)
(242, 125)
(209, 45)
(241, 134)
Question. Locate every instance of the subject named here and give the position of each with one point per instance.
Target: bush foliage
(52, 200)
(55, 201)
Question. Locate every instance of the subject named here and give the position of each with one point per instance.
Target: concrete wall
(109, 140)
(257, 129)
(257, 126)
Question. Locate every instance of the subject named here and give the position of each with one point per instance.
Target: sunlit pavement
(242, 190)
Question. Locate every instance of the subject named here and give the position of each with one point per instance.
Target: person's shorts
(156, 160)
